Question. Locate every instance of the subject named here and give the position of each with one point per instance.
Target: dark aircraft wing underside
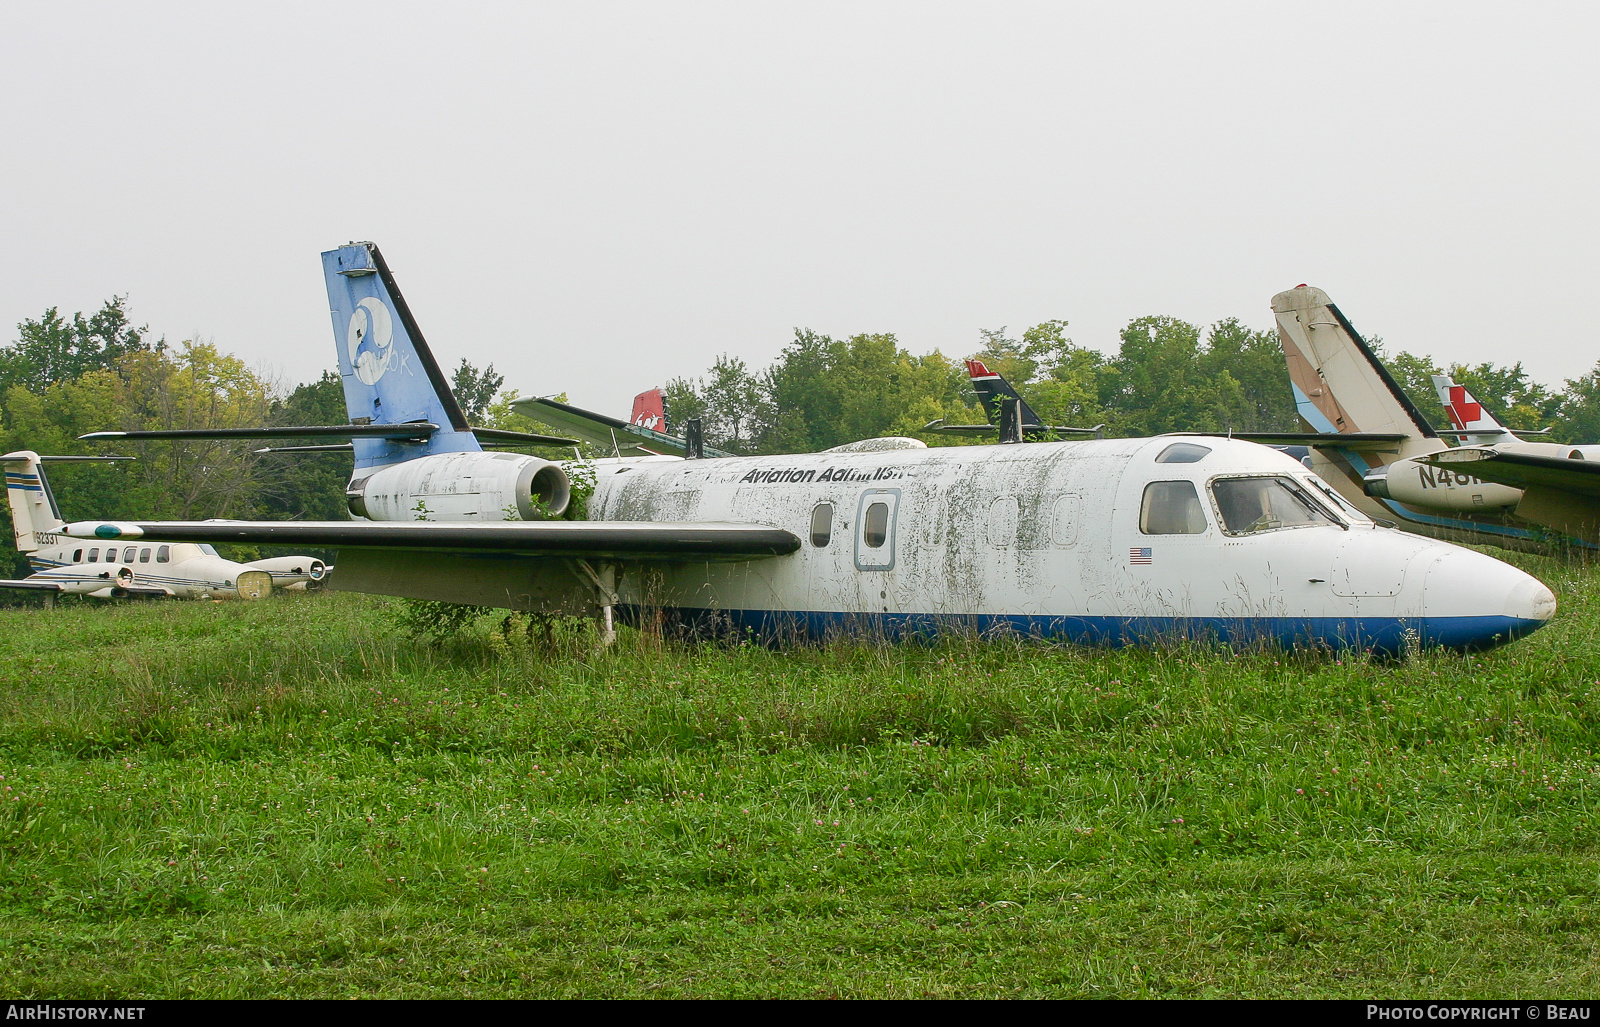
(1523, 470)
(644, 540)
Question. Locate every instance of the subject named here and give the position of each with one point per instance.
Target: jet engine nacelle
(462, 487)
(1417, 484)
(292, 567)
(82, 580)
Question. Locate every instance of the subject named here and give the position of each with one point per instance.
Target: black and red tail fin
(992, 388)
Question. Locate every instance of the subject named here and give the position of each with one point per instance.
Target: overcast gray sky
(597, 197)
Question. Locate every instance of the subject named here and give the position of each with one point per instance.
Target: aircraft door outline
(880, 557)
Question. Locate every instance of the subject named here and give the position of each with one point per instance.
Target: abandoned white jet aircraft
(185, 570)
(1110, 541)
(1371, 442)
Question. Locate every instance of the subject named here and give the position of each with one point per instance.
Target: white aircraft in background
(1113, 541)
(105, 569)
(1555, 485)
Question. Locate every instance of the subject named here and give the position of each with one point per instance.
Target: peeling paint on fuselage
(1039, 538)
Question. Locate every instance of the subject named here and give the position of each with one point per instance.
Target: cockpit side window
(1171, 508)
(1251, 505)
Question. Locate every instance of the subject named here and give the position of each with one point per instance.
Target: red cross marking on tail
(1463, 411)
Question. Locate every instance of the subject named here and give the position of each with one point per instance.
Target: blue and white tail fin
(1477, 425)
(390, 375)
(33, 507)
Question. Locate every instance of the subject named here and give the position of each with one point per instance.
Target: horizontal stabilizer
(336, 447)
(521, 437)
(1522, 470)
(83, 459)
(409, 430)
(708, 540)
(1355, 440)
(938, 425)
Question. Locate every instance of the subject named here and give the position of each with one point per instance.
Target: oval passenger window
(875, 526)
(822, 525)
(1183, 453)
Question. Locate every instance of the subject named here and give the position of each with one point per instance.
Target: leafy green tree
(305, 486)
(54, 349)
(1579, 412)
(475, 390)
(1159, 383)
(1254, 360)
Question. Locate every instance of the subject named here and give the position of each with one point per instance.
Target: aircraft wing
(610, 432)
(1357, 440)
(641, 540)
(961, 429)
(35, 585)
(408, 430)
(1522, 470)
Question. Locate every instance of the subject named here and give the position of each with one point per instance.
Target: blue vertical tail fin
(390, 375)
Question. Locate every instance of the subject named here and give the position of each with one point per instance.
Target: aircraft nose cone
(1530, 600)
(1473, 601)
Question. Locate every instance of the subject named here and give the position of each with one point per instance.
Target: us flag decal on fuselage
(1140, 555)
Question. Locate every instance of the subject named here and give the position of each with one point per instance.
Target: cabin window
(1066, 523)
(1249, 505)
(1003, 522)
(77, 556)
(875, 526)
(822, 525)
(208, 550)
(144, 555)
(1171, 508)
(163, 554)
(127, 554)
(94, 555)
(1183, 453)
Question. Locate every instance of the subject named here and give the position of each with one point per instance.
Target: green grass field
(288, 798)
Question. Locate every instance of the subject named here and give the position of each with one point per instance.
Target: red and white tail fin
(650, 410)
(1468, 415)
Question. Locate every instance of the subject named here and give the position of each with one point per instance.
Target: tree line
(62, 377)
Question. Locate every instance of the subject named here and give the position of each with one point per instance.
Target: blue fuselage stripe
(1381, 634)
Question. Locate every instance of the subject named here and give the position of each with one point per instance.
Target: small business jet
(107, 570)
(1118, 541)
(1376, 448)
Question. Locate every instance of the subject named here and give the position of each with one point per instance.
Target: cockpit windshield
(1250, 505)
